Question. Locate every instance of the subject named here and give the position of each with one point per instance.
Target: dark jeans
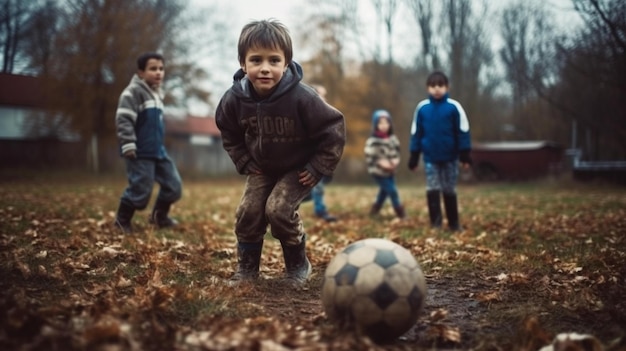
(274, 201)
(142, 173)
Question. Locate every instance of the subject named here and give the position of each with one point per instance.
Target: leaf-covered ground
(535, 260)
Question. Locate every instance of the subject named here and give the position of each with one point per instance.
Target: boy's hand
(131, 154)
(465, 159)
(385, 164)
(307, 179)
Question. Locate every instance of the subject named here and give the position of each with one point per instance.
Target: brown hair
(142, 60)
(437, 78)
(265, 34)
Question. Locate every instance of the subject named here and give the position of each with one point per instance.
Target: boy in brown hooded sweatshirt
(284, 138)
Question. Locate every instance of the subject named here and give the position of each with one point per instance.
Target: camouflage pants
(274, 201)
(442, 176)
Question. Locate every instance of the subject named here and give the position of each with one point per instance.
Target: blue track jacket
(440, 130)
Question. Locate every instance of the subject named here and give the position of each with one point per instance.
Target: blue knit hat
(377, 115)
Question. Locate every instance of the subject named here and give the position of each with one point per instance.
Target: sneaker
(327, 217)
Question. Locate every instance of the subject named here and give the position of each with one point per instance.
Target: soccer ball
(376, 287)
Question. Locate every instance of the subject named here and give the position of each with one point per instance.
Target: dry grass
(536, 259)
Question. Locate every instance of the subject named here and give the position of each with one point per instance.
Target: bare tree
(94, 56)
(457, 14)
(591, 89)
(38, 41)
(320, 35)
(201, 36)
(324, 32)
(14, 18)
(386, 11)
(84, 51)
(528, 55)
(423, 13)
(467, 45)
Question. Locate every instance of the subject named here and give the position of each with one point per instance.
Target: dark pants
(142, 173)
(274, 201)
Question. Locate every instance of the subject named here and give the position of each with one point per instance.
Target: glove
(414, 160)
(464, 157)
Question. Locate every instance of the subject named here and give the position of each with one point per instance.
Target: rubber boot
(124, 217)
(159, 216)
(375, 209)
(452, 211)
(434, 208)
(248, 261)
(297, 265)
(400, 212)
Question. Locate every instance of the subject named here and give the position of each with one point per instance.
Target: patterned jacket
(292, 129)
(381, 147)
(139, 120)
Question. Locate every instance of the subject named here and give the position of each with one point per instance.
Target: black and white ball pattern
(375, 286)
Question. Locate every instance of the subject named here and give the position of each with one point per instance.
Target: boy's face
(437, 90)
(153, 75)
(265, 68)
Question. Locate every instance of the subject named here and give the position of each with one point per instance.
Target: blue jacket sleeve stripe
(415, 144)
(463, 121)
(464, 136)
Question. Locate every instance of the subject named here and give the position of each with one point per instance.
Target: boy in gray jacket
(140, 131)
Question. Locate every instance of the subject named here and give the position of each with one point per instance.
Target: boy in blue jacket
(440, 131)
(140, 131)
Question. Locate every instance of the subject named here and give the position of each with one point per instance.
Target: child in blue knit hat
(382, 154)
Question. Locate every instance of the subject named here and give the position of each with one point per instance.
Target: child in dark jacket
(140, 130)
(440, 131)
(317, 193)
(282, 135)
(382, 154)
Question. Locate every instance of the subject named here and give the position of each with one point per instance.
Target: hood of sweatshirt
(243, 88)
